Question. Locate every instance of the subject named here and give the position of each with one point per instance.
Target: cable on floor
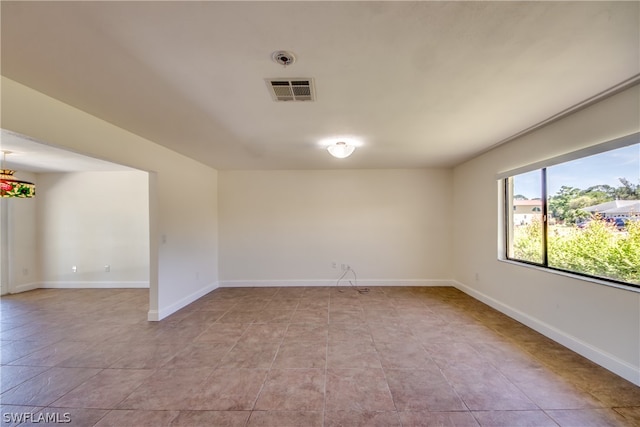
(355, 279)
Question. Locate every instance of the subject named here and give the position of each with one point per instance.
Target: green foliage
(559, 204)
(527, 242)
(602, 193)
(598, 249)
(628, 190)
(627, 256)
(565, 206)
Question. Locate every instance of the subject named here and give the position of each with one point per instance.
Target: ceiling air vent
(291, 89)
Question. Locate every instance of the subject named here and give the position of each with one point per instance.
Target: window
(580, 215)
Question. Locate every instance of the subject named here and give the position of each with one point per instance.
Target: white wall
(598, 321)
(287, 227)
(89, 220)
(22, 257)
(182, 197)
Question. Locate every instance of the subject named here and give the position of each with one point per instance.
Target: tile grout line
(451, 307)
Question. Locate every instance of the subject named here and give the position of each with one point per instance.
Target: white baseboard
(77, 285)
(596, 355)
(302, 283)
(24, 287)
(157, 315)
(405, 282)
(92, 285)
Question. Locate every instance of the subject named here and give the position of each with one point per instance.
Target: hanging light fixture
(11, 187)
(341, 149)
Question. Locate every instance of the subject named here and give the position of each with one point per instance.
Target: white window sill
(573, 275)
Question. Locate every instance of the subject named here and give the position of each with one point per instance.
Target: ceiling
(25, 154)
(414, 84)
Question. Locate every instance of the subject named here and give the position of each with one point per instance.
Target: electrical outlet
(334, 264)
(107, 268)
(74, 269)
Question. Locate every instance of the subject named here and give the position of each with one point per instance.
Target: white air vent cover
(291, 89)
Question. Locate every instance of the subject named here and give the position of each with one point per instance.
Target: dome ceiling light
(341, 149)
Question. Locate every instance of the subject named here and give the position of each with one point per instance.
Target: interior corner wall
(183, 219)
(90, 220)
(598, 321)
(287, 228)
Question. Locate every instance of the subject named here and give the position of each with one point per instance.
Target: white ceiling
(25, 154)
(416, 84)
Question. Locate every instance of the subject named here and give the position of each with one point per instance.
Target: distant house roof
(634, 207)
(537, 202)
(615, 207)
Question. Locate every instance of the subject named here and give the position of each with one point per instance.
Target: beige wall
(288, 227)
(89, 220)
(183, 264)
(601, 322)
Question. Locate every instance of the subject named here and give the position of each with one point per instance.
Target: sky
(604, 168)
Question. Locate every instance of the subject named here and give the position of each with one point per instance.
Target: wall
(183, 218)
(22, 256)
(288, 227)
(89, 220)
(600, 322)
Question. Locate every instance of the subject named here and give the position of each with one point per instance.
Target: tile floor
(294, 357)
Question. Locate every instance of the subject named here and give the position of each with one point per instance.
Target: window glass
(525, 222)
(594, 202)
(592, 222)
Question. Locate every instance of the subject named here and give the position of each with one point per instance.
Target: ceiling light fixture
(341, 149)
(11, 187)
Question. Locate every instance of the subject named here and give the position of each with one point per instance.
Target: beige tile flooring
(295, 357)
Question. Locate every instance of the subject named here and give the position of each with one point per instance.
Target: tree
(559, 204)
(519, 197)
(566, 205)
(600, 193)
(628, 190)
(575, 212)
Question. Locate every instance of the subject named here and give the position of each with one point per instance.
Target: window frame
(542, 166)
